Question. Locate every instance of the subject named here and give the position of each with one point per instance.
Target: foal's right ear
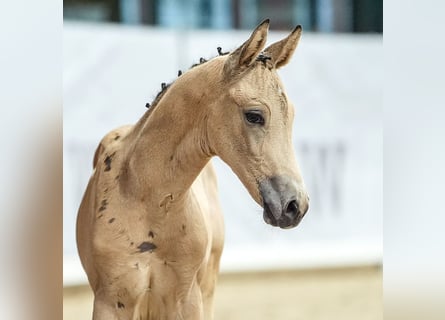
(246, 54)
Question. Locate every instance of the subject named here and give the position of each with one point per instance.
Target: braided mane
(262, 57)
(165, 86)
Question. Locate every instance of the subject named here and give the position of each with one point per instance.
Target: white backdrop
(334, 81)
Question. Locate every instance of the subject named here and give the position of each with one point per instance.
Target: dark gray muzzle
(283, 202)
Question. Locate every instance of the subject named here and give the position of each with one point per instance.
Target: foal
(150, 231)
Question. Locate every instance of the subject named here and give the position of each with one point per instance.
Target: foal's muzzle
(284, 203)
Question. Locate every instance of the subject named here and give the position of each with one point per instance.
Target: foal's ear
(281, 52)
(246, 54)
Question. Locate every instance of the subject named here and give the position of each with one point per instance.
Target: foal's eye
(254, 117)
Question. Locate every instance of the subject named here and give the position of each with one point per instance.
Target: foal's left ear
(281, 52)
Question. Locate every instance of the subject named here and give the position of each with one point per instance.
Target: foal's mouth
(268, 216)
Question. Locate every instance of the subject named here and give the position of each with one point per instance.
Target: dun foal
(150, 230)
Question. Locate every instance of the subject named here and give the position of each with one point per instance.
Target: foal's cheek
(254, 142)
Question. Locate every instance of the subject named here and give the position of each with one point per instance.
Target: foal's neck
(169, 148)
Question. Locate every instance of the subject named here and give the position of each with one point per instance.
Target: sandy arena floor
(343, 294)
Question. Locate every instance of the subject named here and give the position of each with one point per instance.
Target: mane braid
(219, 49)
(164, 87)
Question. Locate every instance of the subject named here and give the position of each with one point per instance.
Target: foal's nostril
(291, 209)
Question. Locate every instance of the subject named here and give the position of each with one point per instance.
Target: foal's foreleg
(107, 309)
(103, 310)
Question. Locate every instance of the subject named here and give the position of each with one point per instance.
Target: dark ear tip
(298, 28)
(264, 23)
(264, 26)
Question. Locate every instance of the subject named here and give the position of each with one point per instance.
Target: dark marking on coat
(108, 160)
(151, 234)
(131, 243)
(103, 205)
(202, 60)
(171, 158)
(183, 227)
(117, 137)
(100, 216)
(120, 305)
(147, 246)
(179, 73)
(111, 220)
(108, 163)
(117, 177)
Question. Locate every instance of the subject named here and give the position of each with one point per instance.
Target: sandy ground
(343, 294)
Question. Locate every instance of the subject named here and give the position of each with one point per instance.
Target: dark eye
(254, 117)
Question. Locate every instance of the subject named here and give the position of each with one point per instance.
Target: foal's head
(250, 127)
